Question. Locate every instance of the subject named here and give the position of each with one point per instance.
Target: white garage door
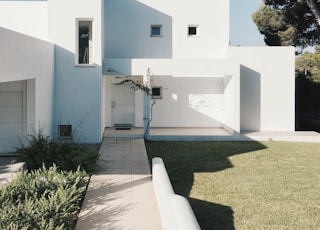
(11, 120)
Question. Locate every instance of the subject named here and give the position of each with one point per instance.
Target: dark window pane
(192, 30)
(65, 130)
(155, 30)
(156, 91)
(84, 39)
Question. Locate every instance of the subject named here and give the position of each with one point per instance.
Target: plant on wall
(144, 84)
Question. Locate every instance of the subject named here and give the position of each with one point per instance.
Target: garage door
(11, 120)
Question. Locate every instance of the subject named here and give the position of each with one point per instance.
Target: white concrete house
(61, 60)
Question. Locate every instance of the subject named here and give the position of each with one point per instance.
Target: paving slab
(120, 194)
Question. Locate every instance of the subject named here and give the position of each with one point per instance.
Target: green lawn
(246, 185)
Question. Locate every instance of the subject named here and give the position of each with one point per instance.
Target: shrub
(67, 155)
(42, 199)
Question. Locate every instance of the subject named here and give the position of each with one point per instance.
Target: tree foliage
(289, 22)
(308, 65)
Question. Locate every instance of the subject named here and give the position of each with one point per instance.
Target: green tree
(308, 65)
(289, 22)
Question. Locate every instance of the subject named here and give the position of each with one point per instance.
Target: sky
(243, 31)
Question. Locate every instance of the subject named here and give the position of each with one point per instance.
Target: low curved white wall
(175, 211)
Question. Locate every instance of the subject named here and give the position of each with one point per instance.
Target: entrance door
(122, 105)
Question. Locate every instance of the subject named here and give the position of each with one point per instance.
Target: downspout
(146, 114)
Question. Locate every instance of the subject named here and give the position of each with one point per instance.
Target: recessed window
(65, 131)
(155, 31)
(193, 30)
(84, 42)
(156, 92)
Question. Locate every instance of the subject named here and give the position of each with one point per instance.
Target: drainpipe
(146, 114)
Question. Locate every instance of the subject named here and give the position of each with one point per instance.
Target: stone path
(120, 195)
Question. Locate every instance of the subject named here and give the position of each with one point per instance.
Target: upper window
(193, 30)
(156, 92)
(156, 31)
(84, 43)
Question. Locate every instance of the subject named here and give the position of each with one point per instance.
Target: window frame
(90, 46)
(65, 129)
(160, 92)
(197, 34)
(156, 26)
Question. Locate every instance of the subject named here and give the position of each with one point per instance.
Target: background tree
(289, 22)
(297, 23)
(308, 65)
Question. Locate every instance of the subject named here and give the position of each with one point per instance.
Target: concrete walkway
(120, 195)
(8, 169)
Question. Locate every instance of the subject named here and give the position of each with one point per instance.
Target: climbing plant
(144, 84)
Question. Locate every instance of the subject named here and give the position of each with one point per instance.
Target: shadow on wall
(123, 38)
(250, 99)
(184, 159)
(77, 97)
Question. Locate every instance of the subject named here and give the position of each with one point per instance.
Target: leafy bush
(67, 155)
(42, 199)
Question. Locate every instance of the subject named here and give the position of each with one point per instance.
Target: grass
(246, 185)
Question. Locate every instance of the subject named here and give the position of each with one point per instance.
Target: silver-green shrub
(46, 198)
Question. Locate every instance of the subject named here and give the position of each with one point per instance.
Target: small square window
(193, 30)
(65, 131)
(155, 30)
(156, 92)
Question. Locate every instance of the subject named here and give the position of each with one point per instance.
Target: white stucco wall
(267, 87)
(212, 17)
(176, 67)
(62, 23)
(196, 92)
(30, 59)
(127, 30)
(189, 102)
(128, 22)
(26, 17)
(78, 90)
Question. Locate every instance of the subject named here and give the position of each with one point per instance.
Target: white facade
(78, 89)
(26, 87)
(127, 29)
(25, 17)
(203, 82)
(267, 88)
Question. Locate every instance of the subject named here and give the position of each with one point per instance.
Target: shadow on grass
(183, 159)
